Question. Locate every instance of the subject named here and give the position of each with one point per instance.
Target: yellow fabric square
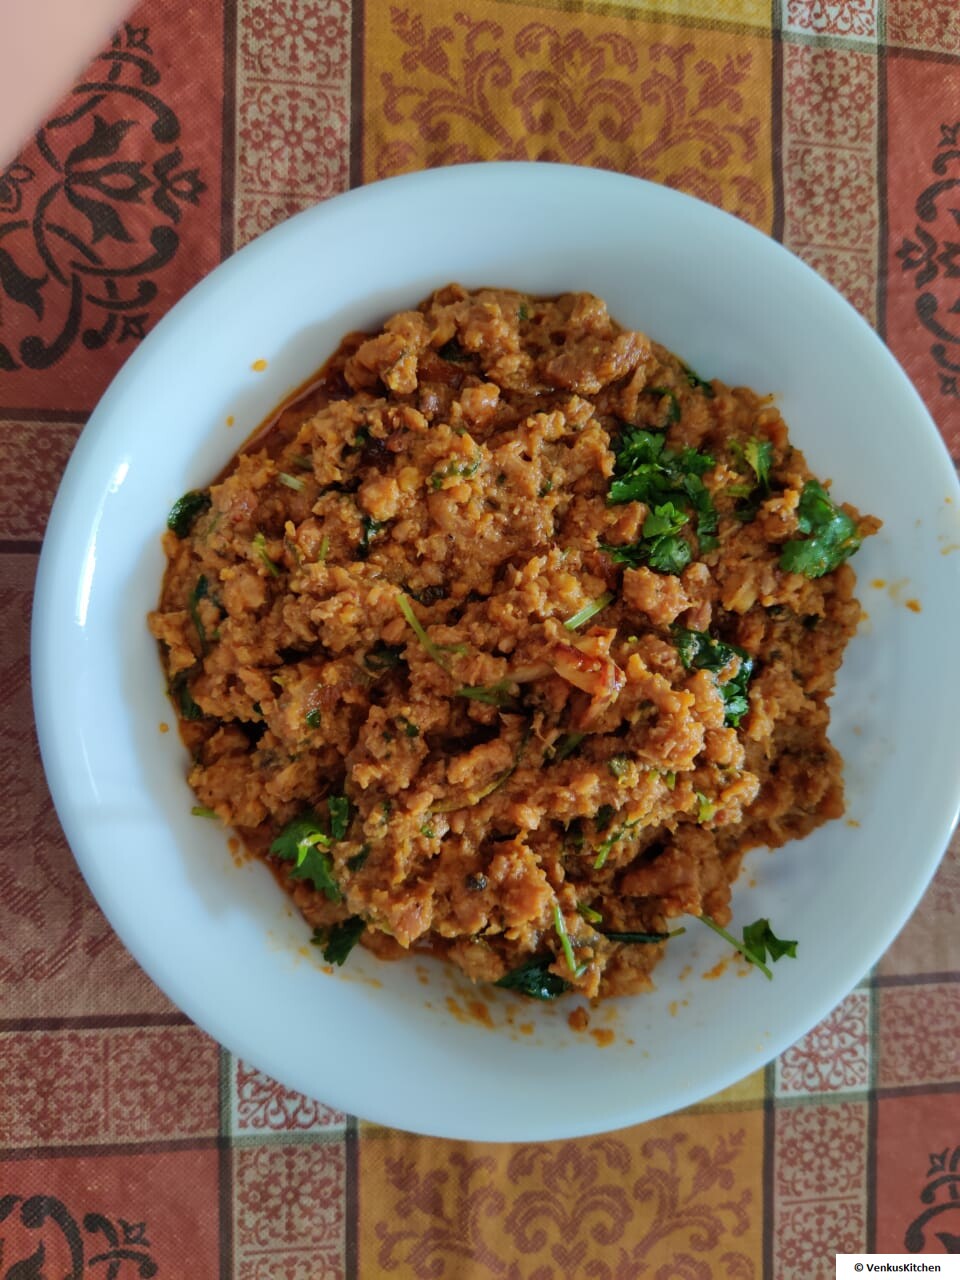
(745, 1092)
(625, 1203)
(751, 13)
(681, 105)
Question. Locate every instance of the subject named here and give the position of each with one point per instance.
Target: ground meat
(468, 692)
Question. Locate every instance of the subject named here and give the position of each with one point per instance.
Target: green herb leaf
(759, 456)
(566, 745)
(534, 979)
(336, 941)
(371, 528)
(300, 842)
(560, 925)
(833, 535)
(700, 651)
(588, 611)
(359, 858)
(668, 482)
(339, 810)
(673, 404)
(436, 651)
(198, 593)
(260, 546)
(313, 718)
(758, 939)
(180, 691)
(185, 511)
(631, 937)
(383, 657)
(501, 694)
(695, 380)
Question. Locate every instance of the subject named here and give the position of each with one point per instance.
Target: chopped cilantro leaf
(501, 694)
(199, 592)
(759, 456)
(339, 810)
(700, 651)
(534, 979)
(313, 718)
(560, 925)
(299, 842)
(833, 535)
(588, 611)
(436, 651)
(185, 511)
(371, 528)
(695, 380)
(180, 690)
(336, 941)
(260, 547)
(668, 482)
(672, 413)
(630, 936)
(758, 940)
(359, 858)
(383, 657)
(566, 745)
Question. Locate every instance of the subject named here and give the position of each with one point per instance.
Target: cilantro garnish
(588, 611)
(260, 547)
(180, 690)
(199, 592)
(668, 482)
(359, 858)
(700, 651)
(759, 457)
(304, 842)
(833, 535)
(695, 380)
(313, 718)
(629, 936)
(336, 941)
(383, 657)
(339, 809)
(673, 404)
(501, 694)
(371, 528)
(185, 511)
(757, 943)
(566, 745)
(533, 978)
(560, 925)
(436, 651)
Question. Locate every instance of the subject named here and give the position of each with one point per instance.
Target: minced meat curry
(508, 638)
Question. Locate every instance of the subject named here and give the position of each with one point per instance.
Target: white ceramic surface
(220, 940)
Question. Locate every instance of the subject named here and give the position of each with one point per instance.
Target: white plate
(220, 940)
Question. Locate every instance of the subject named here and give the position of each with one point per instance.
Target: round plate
(410, 1044)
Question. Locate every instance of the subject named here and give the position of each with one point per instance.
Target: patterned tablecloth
(130, 1144)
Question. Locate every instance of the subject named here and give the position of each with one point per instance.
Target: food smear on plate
(508, 639)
